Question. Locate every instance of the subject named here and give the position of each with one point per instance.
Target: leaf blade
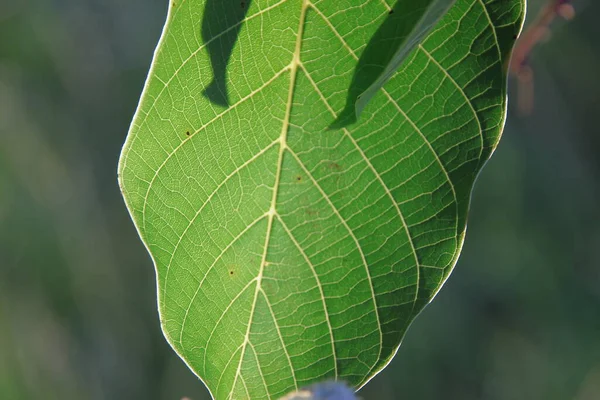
(370, 219)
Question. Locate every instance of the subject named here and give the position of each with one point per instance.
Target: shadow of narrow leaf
(221, 24)
(402, 30)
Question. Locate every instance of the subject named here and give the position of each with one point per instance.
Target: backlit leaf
(287, 253)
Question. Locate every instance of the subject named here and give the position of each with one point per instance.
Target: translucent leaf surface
(287, 253)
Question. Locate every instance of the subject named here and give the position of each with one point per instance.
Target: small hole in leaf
(231, 272)
(299, 178)
(391, 12)
(188, 133)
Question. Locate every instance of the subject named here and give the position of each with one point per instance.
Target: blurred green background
(518, 319)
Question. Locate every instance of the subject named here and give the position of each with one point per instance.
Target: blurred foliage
(518, 319)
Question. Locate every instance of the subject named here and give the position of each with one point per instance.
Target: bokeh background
(518, 319)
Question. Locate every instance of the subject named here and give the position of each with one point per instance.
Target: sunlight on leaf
(286, 253)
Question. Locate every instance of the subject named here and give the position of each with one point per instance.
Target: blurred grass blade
(406, 25)
(287, 253)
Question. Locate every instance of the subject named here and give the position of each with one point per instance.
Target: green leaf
(286, 253)
(406, 25)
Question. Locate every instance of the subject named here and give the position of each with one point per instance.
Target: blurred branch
(537, 32)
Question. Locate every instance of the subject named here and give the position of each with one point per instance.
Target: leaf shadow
(221, 24)
(378, 53)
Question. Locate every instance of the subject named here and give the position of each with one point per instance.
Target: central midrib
(293, 67)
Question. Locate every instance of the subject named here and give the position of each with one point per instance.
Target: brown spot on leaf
(298, 178)
(311, 212)
(187, 133)
(335, 166)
